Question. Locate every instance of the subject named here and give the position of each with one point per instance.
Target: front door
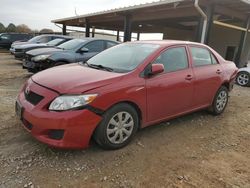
(94, 47)
(170, 93)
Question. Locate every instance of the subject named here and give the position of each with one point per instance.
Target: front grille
(28, 57)
(32, 97)
(18, 50)
(56, 134)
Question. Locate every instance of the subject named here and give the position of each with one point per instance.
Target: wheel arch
(62, 60)
(134, 105)
(226, 84)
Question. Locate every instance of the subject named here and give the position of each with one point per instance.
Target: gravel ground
(197, 150)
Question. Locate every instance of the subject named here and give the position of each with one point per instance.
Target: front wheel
(220, 101)
(117, 128)
(243, 78)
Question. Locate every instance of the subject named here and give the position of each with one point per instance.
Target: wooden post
(210, 16)
(93, 32)
(242, 43)
(118, 36)
(127, 28)
(138, 36)
(64, 29)
(87, 28)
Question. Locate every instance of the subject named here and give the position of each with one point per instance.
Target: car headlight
(40, 57)
(71, 102)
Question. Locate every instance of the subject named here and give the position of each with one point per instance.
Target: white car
(243, 77)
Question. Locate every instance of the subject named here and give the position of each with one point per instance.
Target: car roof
(95, 39)
(16, 33)
(169, 42)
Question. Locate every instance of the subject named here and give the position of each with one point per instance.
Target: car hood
(247, 69)
(75, 78)
(24, 46)
(14, 44)
(43, 51)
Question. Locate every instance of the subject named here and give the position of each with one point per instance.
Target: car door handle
(218, 71)
(189, 77)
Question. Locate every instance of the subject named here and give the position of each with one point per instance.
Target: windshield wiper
(99, 67)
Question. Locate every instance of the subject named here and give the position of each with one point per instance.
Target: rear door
(94, 47)
(171, 92)
(208, 75)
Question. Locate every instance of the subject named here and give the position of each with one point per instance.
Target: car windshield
(36, 39)
(55, 42)
(72, 44)
(124, 57)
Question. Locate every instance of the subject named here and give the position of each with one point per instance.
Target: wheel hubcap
(221, 101)
(120, 127)
(243, 79)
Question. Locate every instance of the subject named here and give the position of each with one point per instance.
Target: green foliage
(11, 28)
(2, 28)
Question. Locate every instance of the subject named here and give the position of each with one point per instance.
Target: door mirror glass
(84, 50)
(157, 69)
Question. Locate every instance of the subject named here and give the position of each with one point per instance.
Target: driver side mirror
(153, 69)
(84, 50)
(157, 69)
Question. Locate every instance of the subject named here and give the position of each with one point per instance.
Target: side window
(214, 60)
(95, 46)
(110, 44)
(5, 37)
(173, 59)
(201, 56)
(44, 39)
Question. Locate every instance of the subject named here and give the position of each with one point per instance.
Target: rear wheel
(117, 128)
(220, 101)
(243, 78)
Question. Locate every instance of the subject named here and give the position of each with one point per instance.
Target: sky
(37, 14)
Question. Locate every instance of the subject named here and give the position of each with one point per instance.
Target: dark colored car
(38, 39)
(20, 50)
(6, 39)
(122, 89)
(75, 50)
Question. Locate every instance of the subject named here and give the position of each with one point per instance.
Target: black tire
(218, 108)
(101, 135)
(241, 82)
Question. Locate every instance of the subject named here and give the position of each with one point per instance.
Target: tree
(2, 28)
(46, 31)
(23, 29)
(11, 28)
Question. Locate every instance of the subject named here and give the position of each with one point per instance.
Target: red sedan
(123, 89)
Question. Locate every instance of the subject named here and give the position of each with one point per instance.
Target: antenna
(76, 12)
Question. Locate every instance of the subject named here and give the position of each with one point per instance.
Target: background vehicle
(243, 77)
(75, 50)
(122, 89)
(20, 50)
(6, 39)
(38, 39)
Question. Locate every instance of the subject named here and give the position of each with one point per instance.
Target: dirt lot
(197, 150)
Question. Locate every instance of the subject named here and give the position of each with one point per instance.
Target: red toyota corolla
(123, 89)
